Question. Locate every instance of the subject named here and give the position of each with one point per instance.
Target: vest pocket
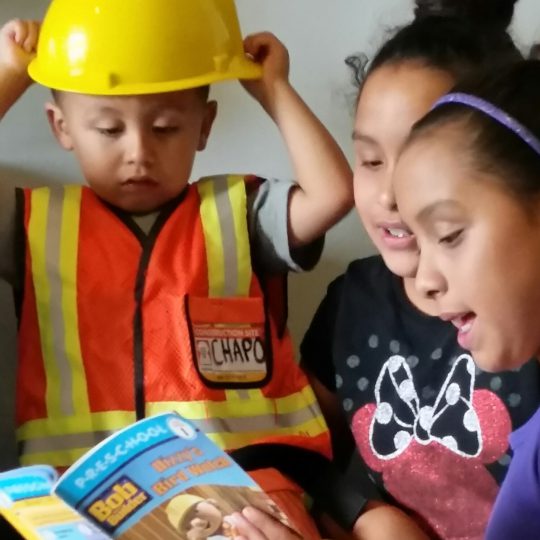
(230, 341)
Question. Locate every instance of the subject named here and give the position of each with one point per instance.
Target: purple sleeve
(516, 513)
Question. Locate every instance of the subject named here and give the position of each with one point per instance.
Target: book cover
(160, 478)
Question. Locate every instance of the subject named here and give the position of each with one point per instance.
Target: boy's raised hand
(18, 42)
(324, 191)
(266, 49)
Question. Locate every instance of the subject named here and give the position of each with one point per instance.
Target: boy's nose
(139, 149)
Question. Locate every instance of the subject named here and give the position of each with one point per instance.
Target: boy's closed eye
(165, 129)
(109, 131)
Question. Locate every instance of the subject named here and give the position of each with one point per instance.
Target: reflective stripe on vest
(228, 251)
(244, 417)
(54, 237)
(231, 424)
(226, 237)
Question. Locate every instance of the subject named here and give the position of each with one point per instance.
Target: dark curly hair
(457, 36)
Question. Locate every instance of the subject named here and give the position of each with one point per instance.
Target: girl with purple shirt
(478, 232)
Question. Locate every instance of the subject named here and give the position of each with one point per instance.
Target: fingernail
(249, 512)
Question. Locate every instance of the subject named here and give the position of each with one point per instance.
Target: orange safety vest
(116, 325)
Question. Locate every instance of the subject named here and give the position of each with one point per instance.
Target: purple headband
(494, 112)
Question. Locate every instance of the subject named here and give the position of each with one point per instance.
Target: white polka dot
(450, 442)
(413, 361)
(362, 384)
(496, 384)
(395, 346)
(472, 368)
(402, 440)
(453, 393)
(426, 417)
(339, 381)
(353, 361)
(384, 413)
(514, 400)
(436, 354)
(470, 421)
(406, 391)
(395, 363)
(505, 460)
(373, 341)
(348, 404)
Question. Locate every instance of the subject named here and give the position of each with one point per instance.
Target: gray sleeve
(268, 209)
(7, 232)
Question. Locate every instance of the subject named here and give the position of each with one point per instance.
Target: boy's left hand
(266, 49)
(252, 524)
(324, 191)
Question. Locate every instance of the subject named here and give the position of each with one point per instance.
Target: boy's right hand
(18, 43)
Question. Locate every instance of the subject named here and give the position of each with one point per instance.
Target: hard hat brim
(240, 69)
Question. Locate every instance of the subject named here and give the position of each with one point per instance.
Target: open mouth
(396, 236)
(397, 233)
(464, 323)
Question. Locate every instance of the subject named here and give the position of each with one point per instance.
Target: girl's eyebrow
(426, 214)
(362, 137)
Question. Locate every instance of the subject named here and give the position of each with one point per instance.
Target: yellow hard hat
(179, 506)
(126, 47)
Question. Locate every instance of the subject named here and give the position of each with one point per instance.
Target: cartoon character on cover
(197, 518)
(414, 444)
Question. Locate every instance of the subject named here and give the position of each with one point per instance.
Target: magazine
(160, 478)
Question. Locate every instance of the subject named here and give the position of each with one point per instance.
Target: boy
(140, 293)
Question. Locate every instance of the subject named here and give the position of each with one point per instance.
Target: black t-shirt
(431, 427)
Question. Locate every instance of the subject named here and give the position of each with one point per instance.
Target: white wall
(319, 34)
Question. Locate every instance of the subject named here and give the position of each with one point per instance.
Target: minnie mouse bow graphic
(401, 417)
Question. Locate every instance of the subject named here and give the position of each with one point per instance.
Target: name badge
(229, 341)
